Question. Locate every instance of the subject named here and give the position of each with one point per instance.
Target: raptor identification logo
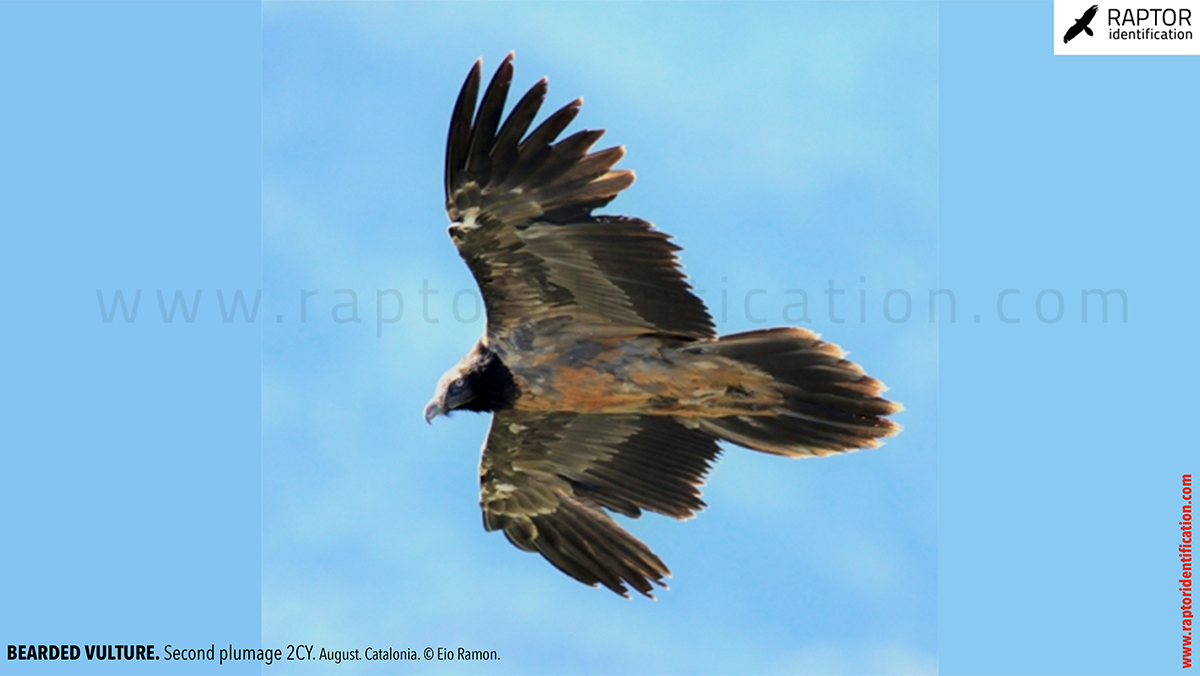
(1126, 27)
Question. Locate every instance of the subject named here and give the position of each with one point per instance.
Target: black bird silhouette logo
(1081, 25)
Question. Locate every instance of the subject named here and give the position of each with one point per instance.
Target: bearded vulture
(608, 386)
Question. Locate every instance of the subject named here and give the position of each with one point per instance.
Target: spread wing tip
(512, 177)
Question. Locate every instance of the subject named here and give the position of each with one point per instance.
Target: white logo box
(1129, 27)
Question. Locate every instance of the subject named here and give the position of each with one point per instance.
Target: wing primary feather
(551, 127)
(487, 120)
(612, 557)
(458, 142)
(593, 542)
(583, 194)
(595, 165)
(579, 549)
(533, 152)
(548, 544)
(505, 149)
(565, 153)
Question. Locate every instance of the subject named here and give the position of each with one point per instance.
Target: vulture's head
(480, 382)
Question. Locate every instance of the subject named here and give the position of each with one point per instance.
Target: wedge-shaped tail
(829, 404)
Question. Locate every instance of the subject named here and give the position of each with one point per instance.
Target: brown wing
(546, 479)
(521, 211)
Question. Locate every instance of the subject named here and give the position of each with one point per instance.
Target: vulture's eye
(459, 383)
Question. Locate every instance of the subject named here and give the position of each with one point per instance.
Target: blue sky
(783, 145)
(271, 481)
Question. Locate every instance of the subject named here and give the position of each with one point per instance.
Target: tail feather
(829, 404)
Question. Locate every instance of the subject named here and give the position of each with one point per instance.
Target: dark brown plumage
(608, 384)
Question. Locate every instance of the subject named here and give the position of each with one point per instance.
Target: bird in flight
(1081, 25)
(607, 383)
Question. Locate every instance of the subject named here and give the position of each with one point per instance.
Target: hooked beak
(432, 410)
